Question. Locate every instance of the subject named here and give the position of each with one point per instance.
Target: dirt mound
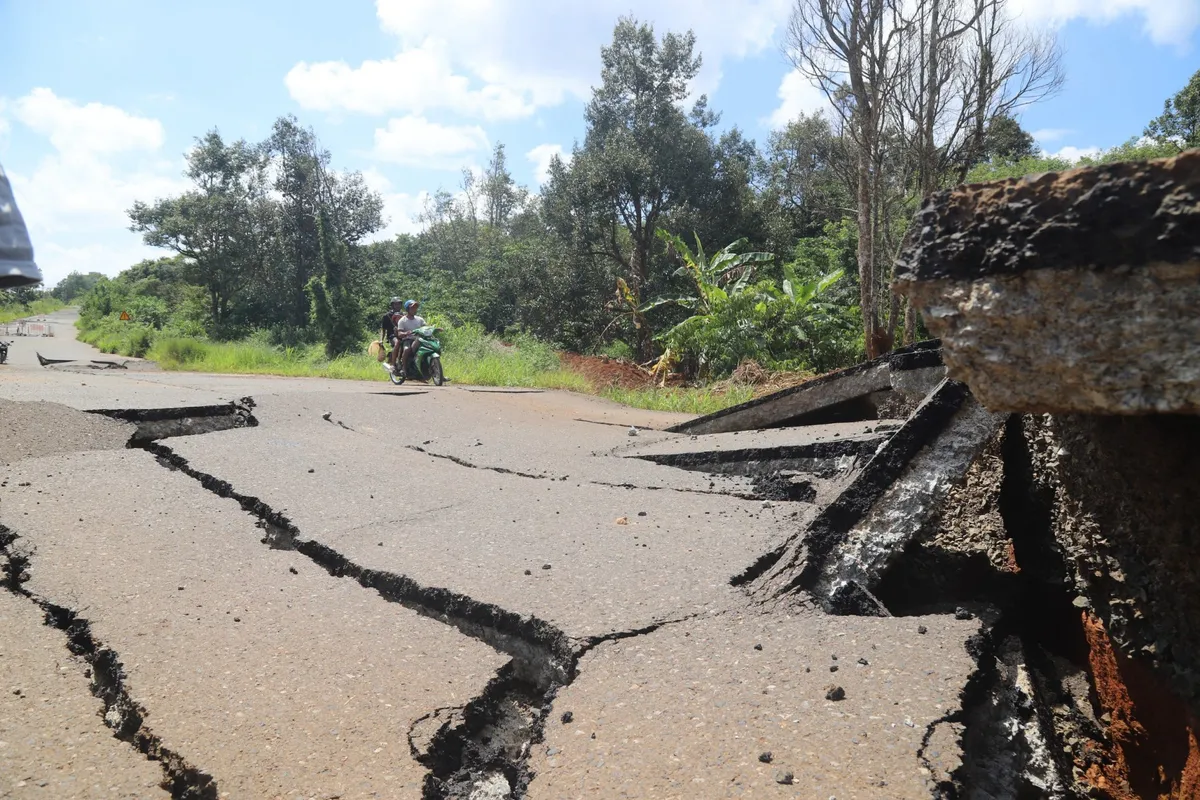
(762, 380)
(750, 373)
(34, 430)
(604, 372)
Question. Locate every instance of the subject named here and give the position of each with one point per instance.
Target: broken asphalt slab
(55, 745)
(881, 388)
(848, 547)
(29, 430)
(1071, 292)
(255, 666)
(690, 709)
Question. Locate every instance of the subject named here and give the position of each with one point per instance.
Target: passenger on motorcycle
(388, 332)
(402, 327)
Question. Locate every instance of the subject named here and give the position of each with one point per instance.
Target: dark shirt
(388, 324)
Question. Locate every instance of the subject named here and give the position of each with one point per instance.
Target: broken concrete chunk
(851, 544)
(1071, 292)
(826, 399)
(888, 387)
(908, 506)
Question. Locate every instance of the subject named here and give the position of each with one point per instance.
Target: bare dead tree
(850, 50)
(1007, 67)
(966, 63)
(916, 84)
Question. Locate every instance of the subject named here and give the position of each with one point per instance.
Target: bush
(179, 353)
(10, 311)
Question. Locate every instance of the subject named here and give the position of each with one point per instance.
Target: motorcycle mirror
(16, 250)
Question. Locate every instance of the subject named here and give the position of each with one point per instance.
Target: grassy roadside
(472, 358)
(11, 313)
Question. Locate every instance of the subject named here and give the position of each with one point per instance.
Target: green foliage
(271, 269)
(1005, 140)
(734, 318)
(13, 308)
(335, 311)
(646, 163)
(804, 169)
(1180, 121)
(75, 285)
(1134, 150)
(1000, 170)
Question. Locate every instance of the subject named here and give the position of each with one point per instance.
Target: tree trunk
(214, 305)
(932, 99)
(645, 343)
(910, 322)
(866, 252)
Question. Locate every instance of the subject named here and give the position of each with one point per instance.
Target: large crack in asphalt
(120, 712)
(488, 740)
(165, 423)
(462, 462)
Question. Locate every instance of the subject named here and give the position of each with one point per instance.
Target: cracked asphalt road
(277, 677)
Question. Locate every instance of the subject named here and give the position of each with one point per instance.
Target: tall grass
(14, 311)
(257, 358)
(471, 357)
(680, 400)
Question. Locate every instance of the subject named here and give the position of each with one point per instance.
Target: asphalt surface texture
(341, 599)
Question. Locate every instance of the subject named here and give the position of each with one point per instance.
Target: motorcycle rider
(404, 328)
(389, 333)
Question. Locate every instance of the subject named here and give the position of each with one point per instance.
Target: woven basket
(378, 350)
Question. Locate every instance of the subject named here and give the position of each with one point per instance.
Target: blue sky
(100, 100)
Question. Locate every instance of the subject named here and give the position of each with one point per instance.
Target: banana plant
(728, 267)
(719, 283)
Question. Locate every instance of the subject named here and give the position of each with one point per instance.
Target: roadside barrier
(25, 328)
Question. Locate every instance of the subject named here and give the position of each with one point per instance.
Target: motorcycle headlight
(16, 251)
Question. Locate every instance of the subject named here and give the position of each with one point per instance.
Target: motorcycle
(4, 351)
(426, 364)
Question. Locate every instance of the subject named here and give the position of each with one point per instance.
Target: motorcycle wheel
(435, 372)
(397, 376)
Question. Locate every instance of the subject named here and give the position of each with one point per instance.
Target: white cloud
(400, 209)
(541, 157)
(1073, 154)
(417, 142)
(415, 81)
(92, 128)
(1051, 134)
(67, 192)
(506, 58)
(74, 199)
(57, 261)
(797, 95)
(1165, 21)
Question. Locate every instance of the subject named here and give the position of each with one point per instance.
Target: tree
(75, 285)
(501, 195)
(335, 310)
(1180, 120)
(807, 180)
(221, 227)
(1006, 140)
(851, 50)
(307, 188)
(916, 85)
(642, 155)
